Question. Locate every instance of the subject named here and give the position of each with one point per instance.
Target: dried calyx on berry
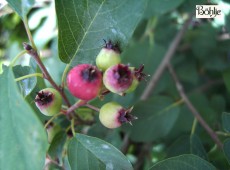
(113, 115)
(108, 56)
(138, 76)
(118, 78)
(84, 81)
(48, 101)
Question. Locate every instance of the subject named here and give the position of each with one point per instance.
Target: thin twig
(159, 71)
(92, 107)
(125, 144)
(46, 74)
(195, 113)
(145, 152)
(166, 59)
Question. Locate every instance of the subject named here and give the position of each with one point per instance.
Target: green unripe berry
(138, 75)
(48, 101)
(107, 58)
(133, 86)
(113, 115)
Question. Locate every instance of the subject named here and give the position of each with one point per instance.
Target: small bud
(27, 46)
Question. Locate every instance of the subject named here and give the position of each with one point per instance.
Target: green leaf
(84, 24)
(203, 41)
(196, 147)
(226, 149)
(26, 85)
(85, 152)
(187, 72)
(227, 20)
(165, 30)
(23, 141)
(182, 162)
(226, 122)
(226, 76)
(113, 137)
(156, 117)
(159, 7)
(56, 146)
(180, 146)
(22, 7)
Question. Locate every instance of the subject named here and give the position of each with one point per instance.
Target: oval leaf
(156, 118)
(196, 147)
(23, 141)
(84, 24)
(22, 7)
(157, 7)
(182, 162)
(85, 152)
(56, 146)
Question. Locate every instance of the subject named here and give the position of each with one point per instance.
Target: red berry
(113, 115)
(48, 101)
(118, 78)
(84, 81)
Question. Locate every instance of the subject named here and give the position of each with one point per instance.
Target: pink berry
(84, 81)
(118, 78)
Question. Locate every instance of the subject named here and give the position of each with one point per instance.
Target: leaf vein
(86, 32)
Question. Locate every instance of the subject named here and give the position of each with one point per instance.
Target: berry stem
(72, 127)
(92, 107)
(29, 75)
(64, 75)
(194, 124)
(49, 121)
(76, 105)
(17, 57)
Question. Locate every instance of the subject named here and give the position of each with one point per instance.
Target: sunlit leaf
(83, 25)
(22, 7)
(85, 152)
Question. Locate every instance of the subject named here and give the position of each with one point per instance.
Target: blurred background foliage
(163, 130)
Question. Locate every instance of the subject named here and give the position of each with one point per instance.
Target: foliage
(166, 134)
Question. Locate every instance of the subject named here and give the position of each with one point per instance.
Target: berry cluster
(86, 82)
